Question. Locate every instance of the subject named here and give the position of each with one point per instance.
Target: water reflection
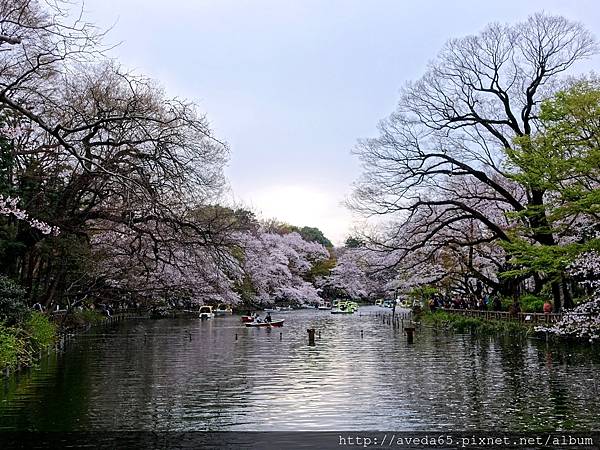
(185, 374)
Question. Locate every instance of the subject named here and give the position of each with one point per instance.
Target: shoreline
(61, 338)
(481, 326)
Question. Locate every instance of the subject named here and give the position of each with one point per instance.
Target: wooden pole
(311, 336)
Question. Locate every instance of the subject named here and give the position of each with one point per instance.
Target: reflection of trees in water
(63, 408)
(513, 358)
(566, 393)
(520, 382)
(150, 375)
(543, 384)
(477, 381)
(146, 386)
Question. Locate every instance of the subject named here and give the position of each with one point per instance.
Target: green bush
(506, 303)
(80, 319)
(423, 292)
(473, 325)
(12, 304)
(12, 348)
(19, 344)
(532, 303)
(42, 332)
(91, 316)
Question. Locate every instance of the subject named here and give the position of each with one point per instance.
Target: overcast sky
(291, 85)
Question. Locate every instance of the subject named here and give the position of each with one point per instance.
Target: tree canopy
(473, 163)
(111, 189)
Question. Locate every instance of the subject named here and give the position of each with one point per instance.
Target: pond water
(186, 374)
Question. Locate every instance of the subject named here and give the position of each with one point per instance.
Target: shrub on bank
(91, 316)
(41, 331)
(82, 319)
(473, 325)
(12, 348)
(20, 344)
(23, 333)
(532, 303)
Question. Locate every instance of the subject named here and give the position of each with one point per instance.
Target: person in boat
(268, 318)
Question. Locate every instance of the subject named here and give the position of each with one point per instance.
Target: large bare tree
(457, 122)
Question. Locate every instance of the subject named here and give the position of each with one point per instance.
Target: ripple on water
(150, 375)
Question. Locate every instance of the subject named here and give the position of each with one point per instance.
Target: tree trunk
(543, 235)
(567, 297)
(556, 293)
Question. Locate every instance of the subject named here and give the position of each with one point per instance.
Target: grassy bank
(21, 344)
(473, 325)
(24, 333)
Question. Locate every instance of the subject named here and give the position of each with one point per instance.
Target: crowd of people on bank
(482, 303)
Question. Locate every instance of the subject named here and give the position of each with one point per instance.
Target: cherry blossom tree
(582, 322)
(185, 271)
(87, 145)
(359, 273)
(8, 207)
(276, 266)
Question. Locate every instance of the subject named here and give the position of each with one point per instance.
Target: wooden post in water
(409, 334)
(311, 336)
(394, 305)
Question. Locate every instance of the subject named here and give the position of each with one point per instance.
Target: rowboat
(325, 306)
(274, 323)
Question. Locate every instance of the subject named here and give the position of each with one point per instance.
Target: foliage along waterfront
(487, 175)
(474, 325)
(23, 333)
